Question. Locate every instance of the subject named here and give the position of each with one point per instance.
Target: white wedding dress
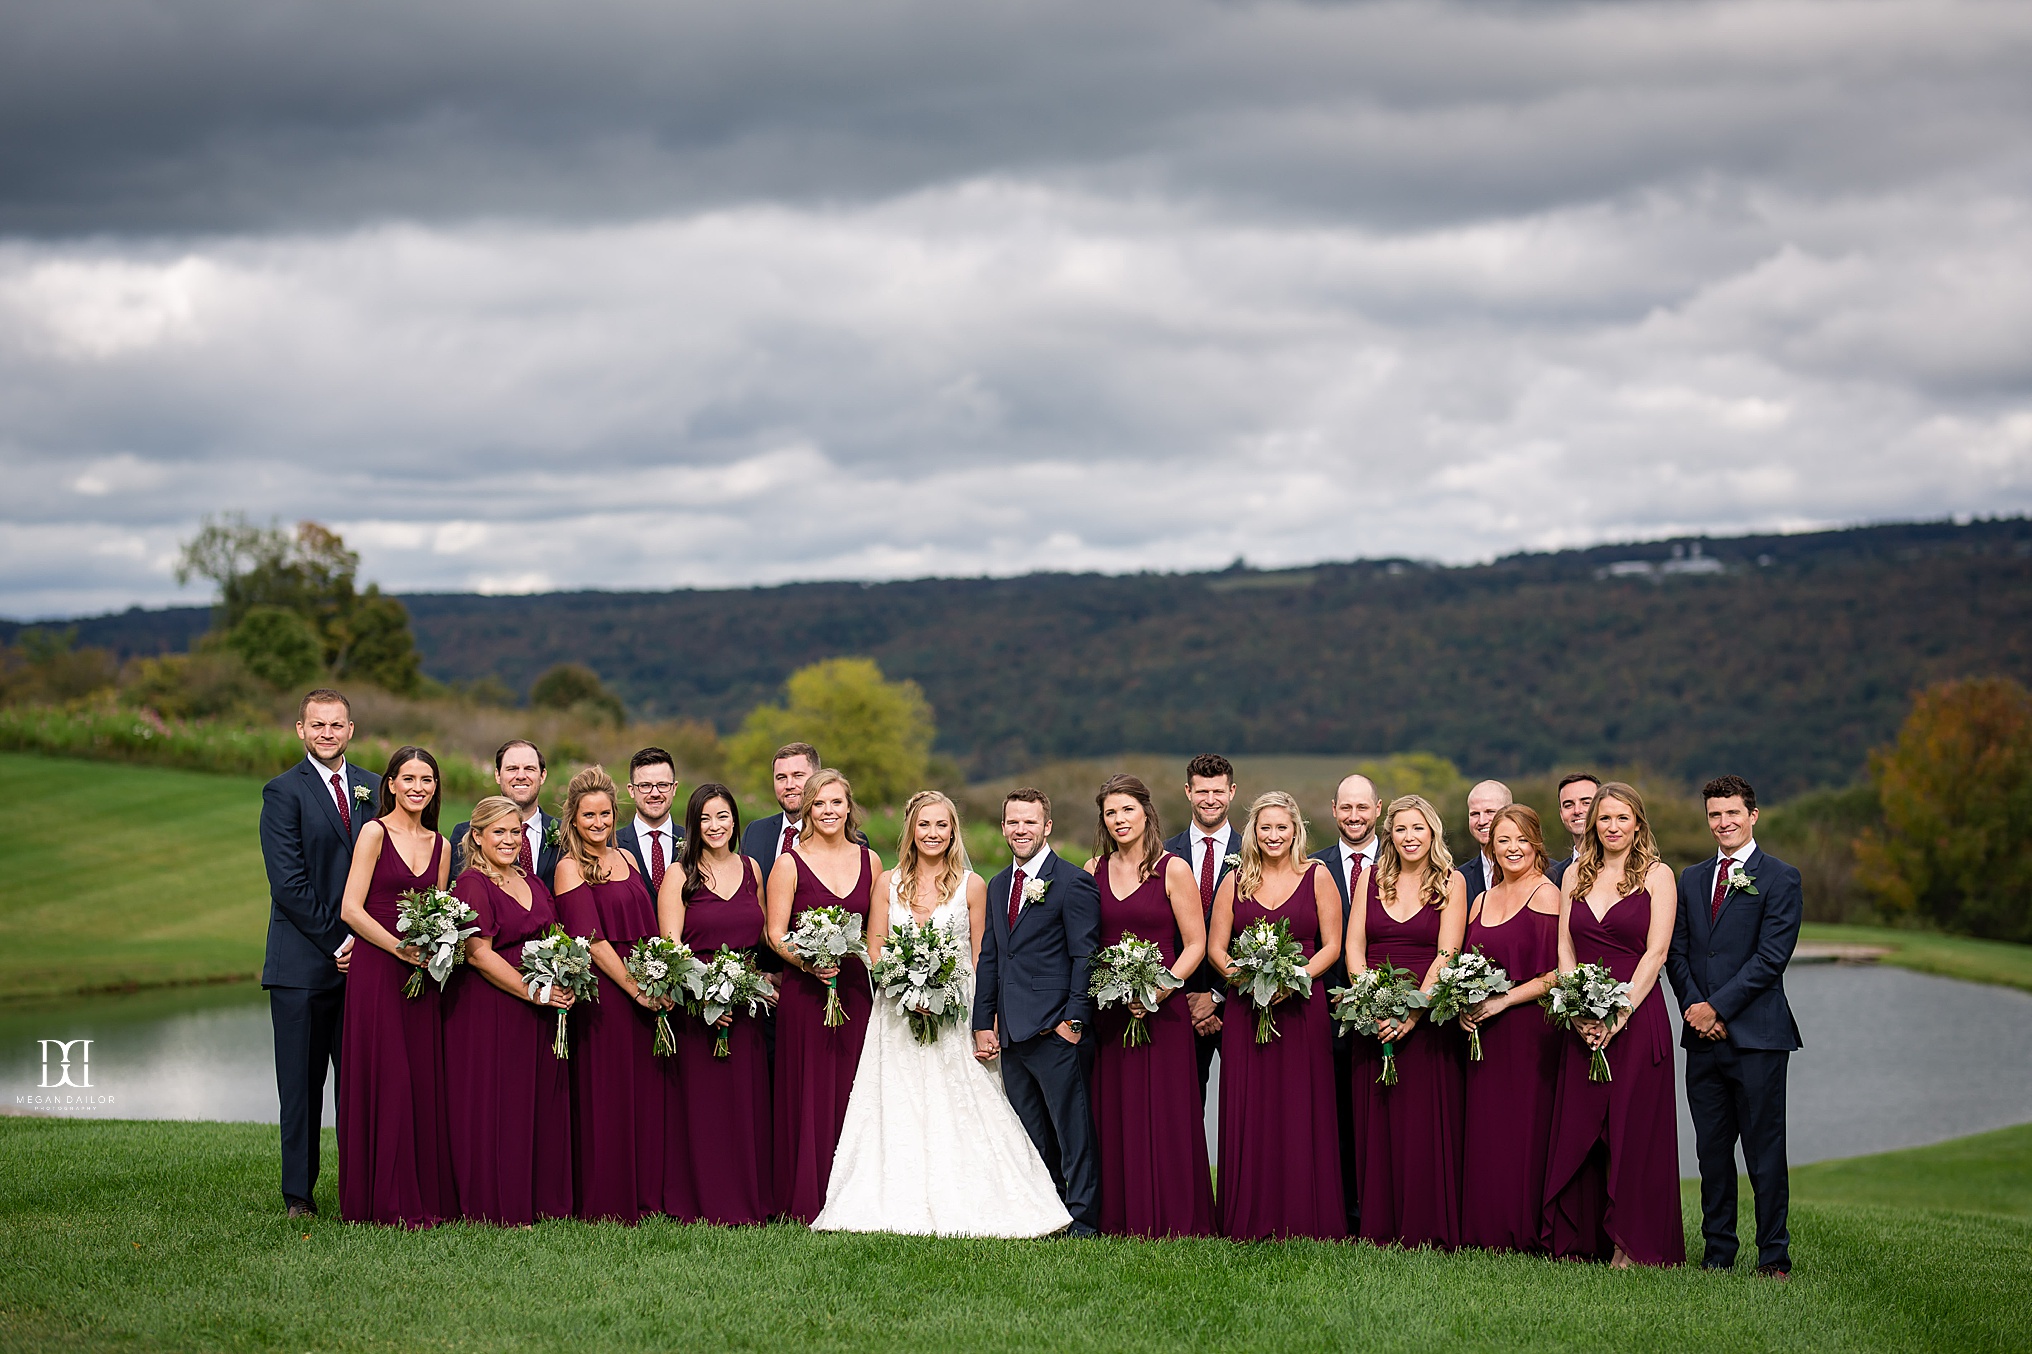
(931, 1145)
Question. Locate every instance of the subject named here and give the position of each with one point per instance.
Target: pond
(1892, 1059)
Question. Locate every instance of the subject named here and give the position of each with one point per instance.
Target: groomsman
(1356, 808)
(1576, 797)
(1206, 845)
(654, 835)
(1483, 802)
(1738, 921)
(311, 815)
(767, 838)
(519, 769)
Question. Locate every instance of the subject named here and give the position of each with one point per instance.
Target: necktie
(1015, 897)
(522, 856)
(1206, 876)
(345, 813)
(789, 836)
(1721, 889)
(656, 862)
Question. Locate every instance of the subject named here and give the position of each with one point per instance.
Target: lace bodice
(949, 916)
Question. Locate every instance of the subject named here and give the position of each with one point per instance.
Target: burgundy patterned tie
(1015, 897)
(789, 836)
(1721, 889)
(656, 862)
(1206, 877)
(345, 813)
(522, 857)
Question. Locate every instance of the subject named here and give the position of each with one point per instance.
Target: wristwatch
(1076, 1026)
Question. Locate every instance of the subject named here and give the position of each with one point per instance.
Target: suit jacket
(1203, 978)
(1556, 871)
(761, 841)
(1331, 858)
(546, 854)
(1736, 962)
(308, 852)
(1477, 877)
(1036, 975)
(628, 841)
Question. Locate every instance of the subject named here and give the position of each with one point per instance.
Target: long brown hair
(1587, 857)
(486, 813)
(951, 870)
(1153, 833)
(1439, 860)
(1526, 819)
(1250, 877)
(385, 805)
(591, 780)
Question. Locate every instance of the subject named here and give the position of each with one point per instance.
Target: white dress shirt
(1029, 868)
(325, 773)
(1355, 859)
(1202, 841)
(1742, 853)
(643, 832)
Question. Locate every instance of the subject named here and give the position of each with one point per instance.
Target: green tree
(379, 647)
(1955, 847)
(574, 686)
(277, 645)
(47, 665)
(877, 731)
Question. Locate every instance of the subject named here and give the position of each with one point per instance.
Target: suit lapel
(322, 788)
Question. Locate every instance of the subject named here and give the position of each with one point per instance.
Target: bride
(931, 1144)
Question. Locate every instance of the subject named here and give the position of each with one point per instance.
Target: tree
(877, 731)
(379, 648)
(277, 645)
(574, 686)
(45, 665)
(1955, 847)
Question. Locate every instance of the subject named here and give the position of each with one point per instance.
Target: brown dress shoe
(299, 1209)
(1773, 1272)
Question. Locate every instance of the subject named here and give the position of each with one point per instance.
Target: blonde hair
(1526, 819)
(486, 813)
(1250, 876)
(819, 780)
(1439, 860)
(591, 780)
(952, 869)
(1153, 832)
(1588, 856)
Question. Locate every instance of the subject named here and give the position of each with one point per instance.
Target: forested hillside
(1785, 658)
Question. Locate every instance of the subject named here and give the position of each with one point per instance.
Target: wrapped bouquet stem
(824, 937)
(1131, 972)
(921, 970)
(1465, 981)
(434, 921)
(1267, 964)
(1589, 991)
(557, 959)
(1383, 995)
(660, 966)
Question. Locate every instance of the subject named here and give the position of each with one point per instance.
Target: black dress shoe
(299, 1209)
(1080, 1229)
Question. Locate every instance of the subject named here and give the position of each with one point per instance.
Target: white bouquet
(1590, 990)
(1382, 995)
(659, 966)
(822, 937)
(555, 959)
(1267, 964)
(920, 970)
(434, 921)
(724, 983)
(1466, 981)
(1130, 972)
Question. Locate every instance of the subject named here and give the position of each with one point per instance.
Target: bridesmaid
(1413, 913)
(394, 1142)
(1280, 1142)
(509, 1096)
(718, 1107)
(827, 867)
(1509, 1092)
(619, 1148)
(1612, 1172)
(1149, 1125)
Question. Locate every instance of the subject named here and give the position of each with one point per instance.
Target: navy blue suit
(1203, 978)
(1031, 978)
(1344, 1048)
(1474, 873)
(1556, 871)
(308, 851)
(546, 854)
(626, 839)
(1735, 1087)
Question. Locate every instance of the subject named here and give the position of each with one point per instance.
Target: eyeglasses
(653, 787)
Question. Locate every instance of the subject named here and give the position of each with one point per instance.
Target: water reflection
(1892, 1059)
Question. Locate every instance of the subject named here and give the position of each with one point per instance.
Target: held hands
(1487, 1009)
(1391, 1031)
(558, 998)
(1597, 1033)
(409, 954)
(1705, 1022)
(1200, 1006)
(986, 1047)
(345, 955)
(824, 975)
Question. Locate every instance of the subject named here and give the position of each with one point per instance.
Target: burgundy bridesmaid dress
(814, 1064)
(510, 1097)
(1612, 1171)
(1408, 1136)
(719, 1107)
(1509, 1094)
(395, 1161)
(1280, 1145)
(1149, 1126)
(619, 1144)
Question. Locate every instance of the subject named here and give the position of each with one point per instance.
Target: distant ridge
(1783, 657)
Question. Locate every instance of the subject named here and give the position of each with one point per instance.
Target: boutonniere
(361, 794)
(1034, 890)
(1739, 879)
(553, 833)
(1232, 861)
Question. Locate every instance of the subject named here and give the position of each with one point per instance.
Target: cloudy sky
(641, 294)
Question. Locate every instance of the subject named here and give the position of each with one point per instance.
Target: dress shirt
(643, 832)
(1029, 868)
(1742, 853)
(1201, 839)
(325, 774)
(1355, 859)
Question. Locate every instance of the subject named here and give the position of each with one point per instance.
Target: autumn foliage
(1955, 848)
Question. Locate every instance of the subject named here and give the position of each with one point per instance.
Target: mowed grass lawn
(168, 1236)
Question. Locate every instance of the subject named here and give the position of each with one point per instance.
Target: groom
(1044, 921)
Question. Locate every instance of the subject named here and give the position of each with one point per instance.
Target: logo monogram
(63, 1053)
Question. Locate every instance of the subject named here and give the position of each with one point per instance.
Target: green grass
(1988, 1173)
(1976, 961)
(168, 1236)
